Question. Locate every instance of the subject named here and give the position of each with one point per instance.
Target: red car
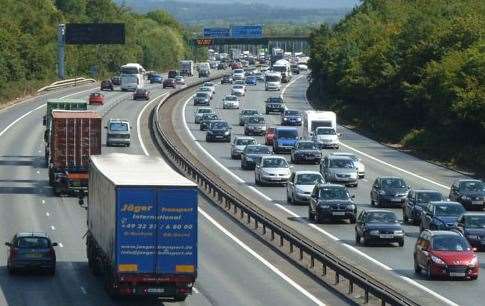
(236, 66)
(445, 254)
(268, 138)
(96, 98)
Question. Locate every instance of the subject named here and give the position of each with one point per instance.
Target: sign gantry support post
(61, 43)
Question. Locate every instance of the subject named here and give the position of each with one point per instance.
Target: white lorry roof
(138, 170)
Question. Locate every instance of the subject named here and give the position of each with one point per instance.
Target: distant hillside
(321, 4)
(223, 13)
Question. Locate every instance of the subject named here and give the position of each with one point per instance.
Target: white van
(272, 81)
(313, 119)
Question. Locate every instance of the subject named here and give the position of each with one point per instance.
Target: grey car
(272, 170)
(300, 186)
(358, 162)
(199, 112)
(206, 119)
(202, 98)
(252, 153)
(255, 125)
(31, 251)
(339, 169)
(118, 133)
(238, 145)
(246, 113)
(306, 151)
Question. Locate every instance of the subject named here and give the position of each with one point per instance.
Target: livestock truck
(73, 137)
(142, 227)
(60, 104)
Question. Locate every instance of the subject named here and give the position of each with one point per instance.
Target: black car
(251, 154)
(255, 125)
(141, 94)
(202, 98)
(116, 80)
(221, 66)
(415, 203)
(306, 151)
(440, 215)
(31, 251)
(275, 105)
(291, 117)
(472, 226)
(331, 201)
(169, 83)
(218, 130)
(172, 74)
(470, 193)
(107, 85)
(389, 191)
(227, 79)
(206, 118)
(378, 225)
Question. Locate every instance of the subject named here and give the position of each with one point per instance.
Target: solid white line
(33, 110)
(288, 85)
(47, 214)
(83, 290)
(261, 259)
(43, 201)
(195, 290)
(428, 290)
(138, 119)
(53, 228)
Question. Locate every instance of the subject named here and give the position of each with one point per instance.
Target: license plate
(396, 200)
(218, 137)
(155, 290)
(386, 236)
(338, 213)
(34, 255)
(477, 202)
(457, 274)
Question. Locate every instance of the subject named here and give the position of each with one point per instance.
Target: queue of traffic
(450, 228)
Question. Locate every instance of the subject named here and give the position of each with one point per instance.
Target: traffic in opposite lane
(371, 177)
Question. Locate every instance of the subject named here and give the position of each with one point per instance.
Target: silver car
(255, 125)
(230, 102)
(339, 169)
(300, 186)
(358, 162)
(238, 145)
(200, 112)
(207, 90)
(272, 170)
(245, 114)
(238, 90)
(118, 133)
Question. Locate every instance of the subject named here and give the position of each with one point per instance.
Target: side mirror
(54, 244)
(339, 134)
(353, 196)
(376, 186)
(105, 127)
(8, 244)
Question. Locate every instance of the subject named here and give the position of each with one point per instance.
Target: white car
(238, 74)
(326, 137)
(358, 162)
(210, 85)
(207, 90)
(264, 68)
(179, 80)
(272, 170)
(238, 90)
(240, 82)
(200, 112)
(302, 67)
(230, 102)
(300, 186)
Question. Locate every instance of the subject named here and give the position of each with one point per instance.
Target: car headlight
(325, 206)
(298, 119)
(465, 197)
(382, 192)
(285, 119)
(398, 232)
(227, 133)
(473, 262)
(249, 158)
(298, 190)
(437, 260)
(209, 132)
(351, 206)
(374, 232)
(475, 237)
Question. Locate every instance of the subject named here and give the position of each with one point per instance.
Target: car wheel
(256, 181)
(365, 240)
(421, 227)
(288, 198)
(372, 203)
(417, 268)
(429, 275)
(401, 243)
(310, 213)
(352, 220)
(405, 217)
(357, 238)
(11, 270)
(473, 277)
(52, 271)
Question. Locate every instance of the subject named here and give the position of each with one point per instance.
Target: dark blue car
(285, 139)
(291, 117)
(440, 215)
(156, 78)
(251, 80)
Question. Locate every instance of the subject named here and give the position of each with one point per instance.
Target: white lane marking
(53, 227)
(195, 290)
(244, 246)
(38, 172)
(60, 244)
(33, 110)
(47, 214)
(138, 119)
(429, 291)
(261, 259)
(296, 215)
(83, 290)
(43, 201)
(288, 85)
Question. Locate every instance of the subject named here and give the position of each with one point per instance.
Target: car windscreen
(476, 221)
(211, 116)
(324, 131)
(275, 163)
(288, 134)
(238, 71)
(218, 125)
(443, 210)
(118, 127)
(472, 186)
(245, 142)
(292, 113)
(426, 197)
(255, 120)
(32, 243)
(308, 179)
(273, 78)
(341, 163)
(205, 89)
(307, 146)
(201, 95)
(450, 243)
(238, 87)
(334, 193)
(231, 98)
(393, 183)
(258, 150)
(274, 100)
(249, 112)
(316, 124)
(204, 110)
(209, 84)
(141, 91)
(381, 217)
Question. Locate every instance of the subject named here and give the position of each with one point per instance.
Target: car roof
(378, 210)
(442, 232)
(469, 180)
(118, 120)
(342, 154)
(331, 156)
(389, 177)
(444, 202)
(306, 172)
(31, 234)
(331, 185)
(243, 137)
(280, 128)
(474, 213)
(426, 190)
(274, 157)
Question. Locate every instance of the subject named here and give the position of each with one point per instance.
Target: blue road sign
(252, 31)
(216, 32)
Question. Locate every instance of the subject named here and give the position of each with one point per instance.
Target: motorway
(235, 271)
(379, 160)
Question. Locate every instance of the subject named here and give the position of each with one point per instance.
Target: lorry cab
(314, 119)
(118, 133)
(272, 81)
